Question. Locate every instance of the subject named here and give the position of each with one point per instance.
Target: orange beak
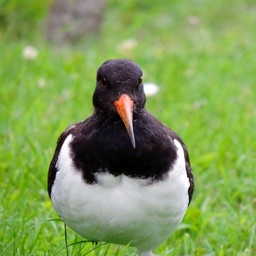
(124, 107)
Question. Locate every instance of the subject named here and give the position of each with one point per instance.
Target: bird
(121, 176)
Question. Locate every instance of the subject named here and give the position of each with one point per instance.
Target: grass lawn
(202, 54)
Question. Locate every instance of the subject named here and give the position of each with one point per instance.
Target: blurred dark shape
(72, 20)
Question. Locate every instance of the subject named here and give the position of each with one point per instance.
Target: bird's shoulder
(164, 129)
(187, 161)
(52, 168)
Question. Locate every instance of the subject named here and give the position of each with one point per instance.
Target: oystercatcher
(121, 176)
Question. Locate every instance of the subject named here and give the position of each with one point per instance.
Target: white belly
(120, 209)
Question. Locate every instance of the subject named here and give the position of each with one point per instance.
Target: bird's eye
(139, 82)
(104, 82)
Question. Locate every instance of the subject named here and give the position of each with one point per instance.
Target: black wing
(173, 135)
(52, 168)
(189, 172)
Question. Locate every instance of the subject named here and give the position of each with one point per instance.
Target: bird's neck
(108, 140)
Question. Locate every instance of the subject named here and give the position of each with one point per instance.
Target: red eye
(104, 82)
(139, 82)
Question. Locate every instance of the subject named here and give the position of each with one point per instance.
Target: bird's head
(119, 89)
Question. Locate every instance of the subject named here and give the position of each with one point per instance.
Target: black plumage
(121, 137)
(101, 142)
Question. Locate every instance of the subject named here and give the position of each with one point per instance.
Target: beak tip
(131, 135)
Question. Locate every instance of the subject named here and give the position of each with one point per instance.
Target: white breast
(120, 209)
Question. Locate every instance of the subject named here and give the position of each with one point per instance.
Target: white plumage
(120, 209)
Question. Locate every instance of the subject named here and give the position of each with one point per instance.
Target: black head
(119, 89)
(114, 78)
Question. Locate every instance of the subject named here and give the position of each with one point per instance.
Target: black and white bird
(121, 176)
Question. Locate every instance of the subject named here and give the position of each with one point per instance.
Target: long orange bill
(124, 107)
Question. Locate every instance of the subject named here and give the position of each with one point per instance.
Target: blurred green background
(200, 53)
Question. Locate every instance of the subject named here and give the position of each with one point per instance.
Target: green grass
(207, 80)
